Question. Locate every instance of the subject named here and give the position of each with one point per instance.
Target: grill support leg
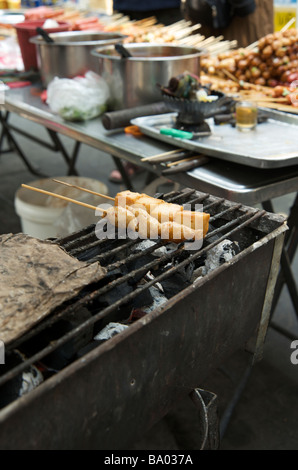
(195, 429)
(206, 404)
(228, 412)
(290, 246)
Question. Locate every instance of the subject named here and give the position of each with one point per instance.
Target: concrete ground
(266, 414)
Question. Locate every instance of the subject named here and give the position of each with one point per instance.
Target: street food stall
(119, 327)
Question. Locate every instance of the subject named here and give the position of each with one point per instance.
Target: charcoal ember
(157, 300)
(115, 294)
(110, 330)
(137, 264)
(23, 383)
(159, 251)
(220, 254)
(177, 282)
(143, 245)
(143, 299)
(136, 314)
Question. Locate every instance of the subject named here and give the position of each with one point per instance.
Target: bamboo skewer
(257, 98)
(230, 75)
(280, 107)
(164, 154)
(84, 189)
(194, 157)
(288, 25)
(65, 198)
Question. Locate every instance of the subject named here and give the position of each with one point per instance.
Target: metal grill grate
(228, 221)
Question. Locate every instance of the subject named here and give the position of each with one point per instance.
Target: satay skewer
(64, 198)
(120, 216)
(152, 157)
(194, 157)
(84, 189)
(158, 208)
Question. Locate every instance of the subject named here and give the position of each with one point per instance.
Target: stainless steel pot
(70, 53)
(133, 81)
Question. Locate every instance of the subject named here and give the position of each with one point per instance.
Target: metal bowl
(134, 81)
(70, 53)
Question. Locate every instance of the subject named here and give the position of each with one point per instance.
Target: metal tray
(273, 144)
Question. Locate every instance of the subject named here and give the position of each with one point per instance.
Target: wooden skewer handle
(164, 154)
(178, 162)
(68, 199)
(84, 189)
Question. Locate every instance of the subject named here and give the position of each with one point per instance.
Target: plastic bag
(10, 54)
(79, 98)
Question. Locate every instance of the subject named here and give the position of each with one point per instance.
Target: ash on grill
(142, 275)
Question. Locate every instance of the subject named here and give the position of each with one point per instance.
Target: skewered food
(177, 233)
(126, 198)
(121, 217)
(138, 220)
(273, 62)
(194, 220)
(164, 211)
(148, 203)
(147, 226)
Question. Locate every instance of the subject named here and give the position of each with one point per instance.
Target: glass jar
(246, 116)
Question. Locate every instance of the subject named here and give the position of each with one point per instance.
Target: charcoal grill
(104, 394)
(192, 114)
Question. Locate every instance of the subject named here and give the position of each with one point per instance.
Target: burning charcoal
(137, 264)
(135, 314)
(158, 299)
(220, 254)
(143, 245)
(112, 296)
(110, 330)
(175, 283)
(22, 383)
(144, 299)
(179, 280)
(160, 251)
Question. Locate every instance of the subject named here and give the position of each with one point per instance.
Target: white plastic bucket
(43, 216)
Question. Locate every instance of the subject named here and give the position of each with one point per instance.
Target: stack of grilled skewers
(147, 216)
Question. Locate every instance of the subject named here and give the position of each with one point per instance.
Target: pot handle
(122, 51)
(44, 34)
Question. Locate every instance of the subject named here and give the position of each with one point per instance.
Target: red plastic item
(19, 84)
(25, 31)
(43, 96)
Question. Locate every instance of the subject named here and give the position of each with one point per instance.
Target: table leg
(123, 173)
(3, 135)
(55, 146)
(70, 161)
(14, 145)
